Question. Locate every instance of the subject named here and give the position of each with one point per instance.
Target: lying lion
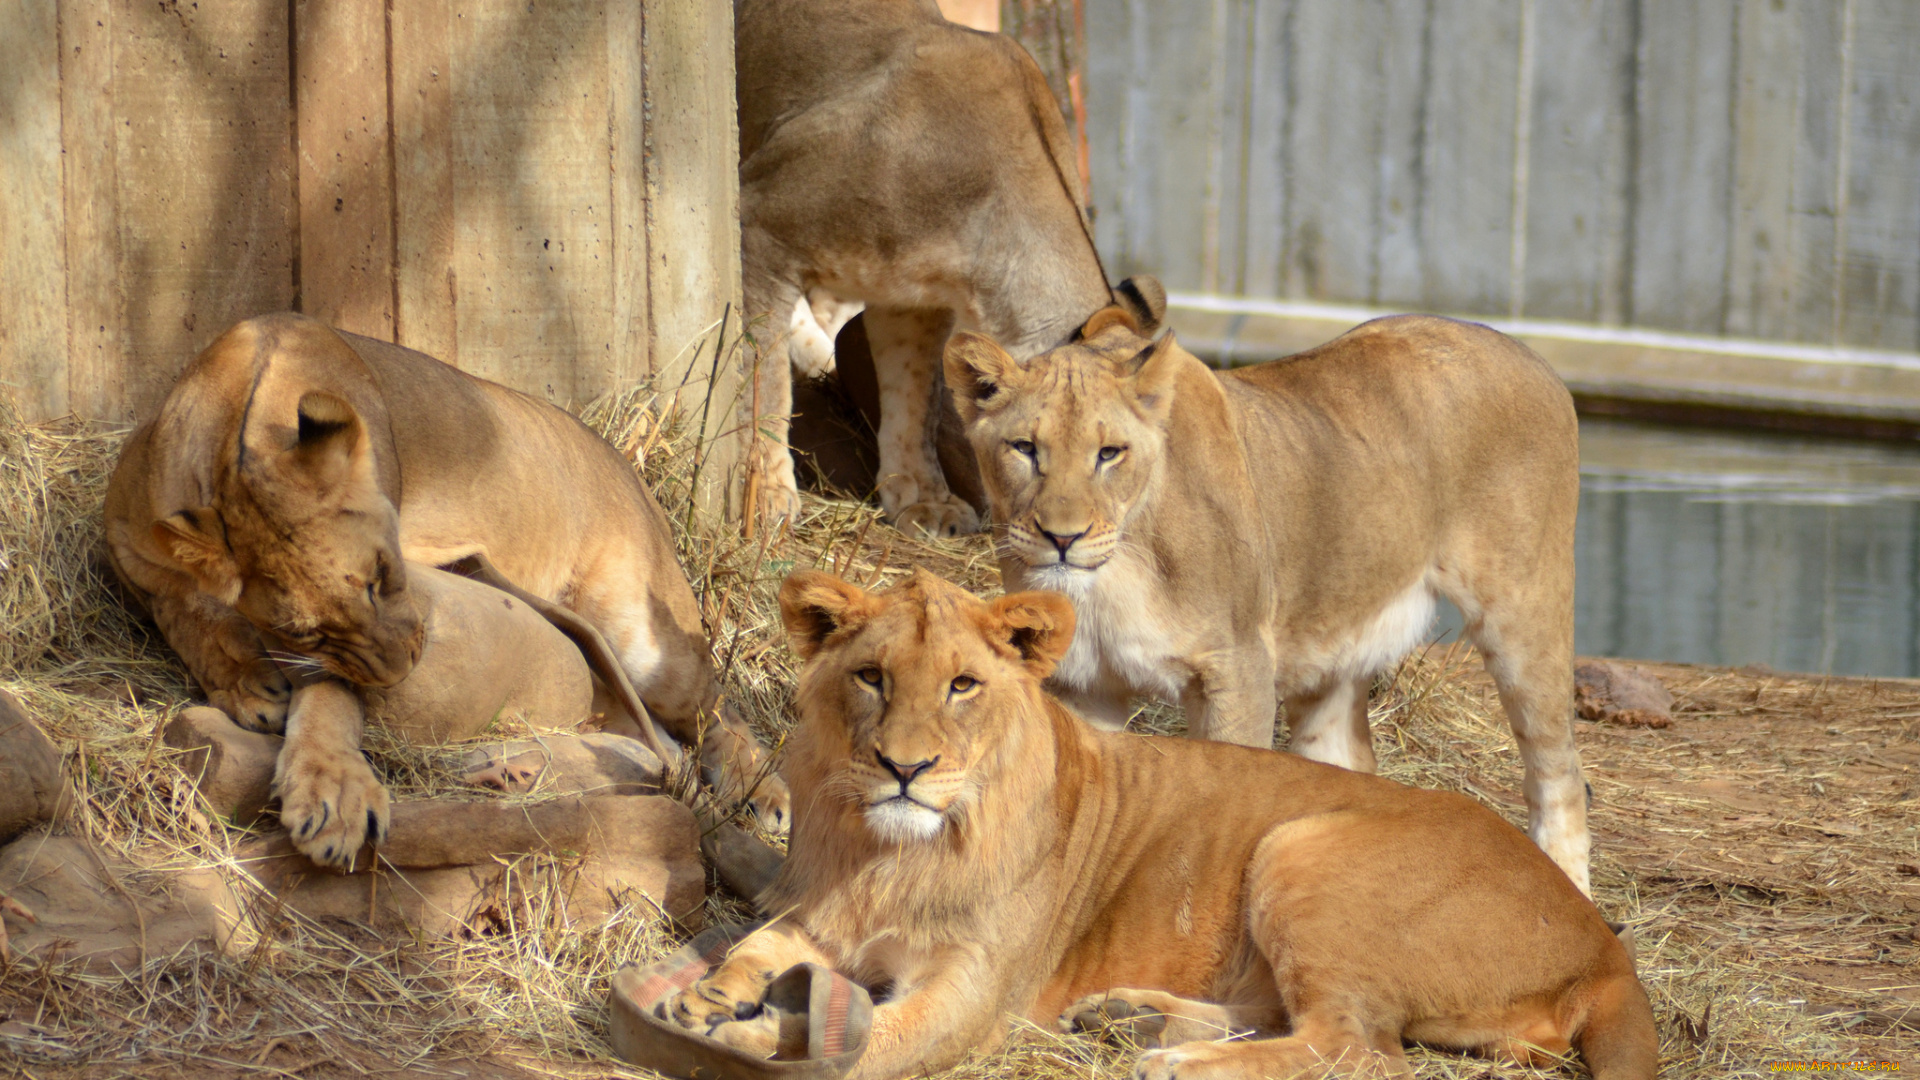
(261, 518)
(1285, 530)
(965, 845)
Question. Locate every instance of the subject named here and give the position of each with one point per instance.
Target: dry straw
(1745, 926)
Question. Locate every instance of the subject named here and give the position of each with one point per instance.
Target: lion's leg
(907, 346)
(1234, 702)
(766, 408)
(1319, 1047)
(330, 801)
(226, 656)
(1531, 661)
(1329, 723)
(1157, 1018)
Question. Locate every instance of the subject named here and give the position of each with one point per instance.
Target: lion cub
(964, 841)
(1282, 531)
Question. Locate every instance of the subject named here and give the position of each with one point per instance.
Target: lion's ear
(1151, 373)
(185, 537)
(978, 372)
(1039, 626)
(332, 447)
(1144, 299)
(1111, 315)
(816, 605)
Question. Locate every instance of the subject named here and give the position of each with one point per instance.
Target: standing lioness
(271, 504)
(969, 849)
(1285, 528)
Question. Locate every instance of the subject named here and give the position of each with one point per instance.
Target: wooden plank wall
(1745, 167)
(542, 194)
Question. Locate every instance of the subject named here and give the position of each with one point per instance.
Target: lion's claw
(331, 804)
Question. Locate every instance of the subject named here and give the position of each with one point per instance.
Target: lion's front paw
(759, 1036)
(1112, 1017)
(258, 699)
(1160, 1064)
(330, 803)
(772, 493)
(727, 994)
(950, 516)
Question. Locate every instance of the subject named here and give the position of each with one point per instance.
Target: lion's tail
(1619, 1041)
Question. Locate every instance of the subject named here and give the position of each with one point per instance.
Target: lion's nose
(905, 773)
(1061, 541)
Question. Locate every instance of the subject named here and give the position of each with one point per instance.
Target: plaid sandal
(838, 1012)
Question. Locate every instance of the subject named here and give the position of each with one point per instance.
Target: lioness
(969, 848)
(1284, 529)
(270, 505)
(890, 157)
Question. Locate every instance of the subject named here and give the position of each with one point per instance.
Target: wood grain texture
(1580, 175)
(1683, 153)
(1785, 151)
(346, 169)
(1467, 165)
(627, 140)
(425, 287)
(205, 169)
(33, 262)
(532, 253)
(96, 301)
(1880, 254)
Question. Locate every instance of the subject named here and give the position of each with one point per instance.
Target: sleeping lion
(265, 515)
(970, 849)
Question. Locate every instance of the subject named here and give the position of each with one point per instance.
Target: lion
(971, 850)
(1282, 531)
(265, 515)
(893, 159)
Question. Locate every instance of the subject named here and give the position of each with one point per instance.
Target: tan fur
(262, 514)
(1192, 888)
(1281, 531)
(890, 157)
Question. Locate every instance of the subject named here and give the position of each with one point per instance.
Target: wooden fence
(1741, 167)
(544, 194)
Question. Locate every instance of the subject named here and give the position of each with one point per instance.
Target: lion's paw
(727, 994)
(771, 486)
(759, 1036)
(330, 802)
(258, 700)
(1111, 1015)
(1161, 1064)
(950, 516)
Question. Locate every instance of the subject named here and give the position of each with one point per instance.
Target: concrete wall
(543, 194)
(1743, 167)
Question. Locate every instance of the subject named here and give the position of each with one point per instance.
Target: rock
(1614, 693)
(108, 914)
(486, 654)
(450, 867)
(598, 764)
(33, 785)
(233, 767)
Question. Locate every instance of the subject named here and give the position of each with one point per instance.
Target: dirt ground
(1765, 847)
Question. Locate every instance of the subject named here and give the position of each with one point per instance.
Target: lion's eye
(1108, 453)
(869, 675)
(1023, 446)
(964, 683)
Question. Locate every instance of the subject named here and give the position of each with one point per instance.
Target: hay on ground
(1766, 847)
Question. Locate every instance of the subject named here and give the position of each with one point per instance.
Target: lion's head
(918, 705)
(300, 538)
(1069, 443)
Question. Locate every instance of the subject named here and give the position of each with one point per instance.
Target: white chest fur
(1124, 631)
